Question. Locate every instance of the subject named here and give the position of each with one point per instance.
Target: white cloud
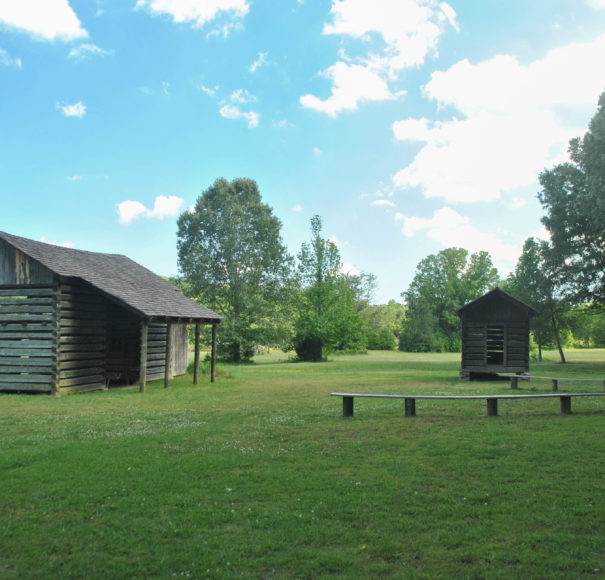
(261, 60)
(511, 122)
(242, 96)
(43, 19)
(517, 203)
(84, 51)
(349, 270)
(409, 29)
(211, 92)
(7, 60)
(451, 229)
(317, 152)
(232, 112)
(352, 84)
(397, 34)
(596, 4)
(197, 12)
(164, 206)
(297, 208)
(53, 243)
(75, 178)
(383, 202)
(76, 110)
(338, 244)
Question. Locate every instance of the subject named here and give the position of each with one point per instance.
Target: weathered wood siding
(82, 326)
(27, 339)
(156, 350)
(16, 268)
(480, 347)
(495, 337)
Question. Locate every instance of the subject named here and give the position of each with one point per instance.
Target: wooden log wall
(156, 350)
(82, 325)
(27, 339)
(481, 342)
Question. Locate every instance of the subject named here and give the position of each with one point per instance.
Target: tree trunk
(557, 338)
(539, 337)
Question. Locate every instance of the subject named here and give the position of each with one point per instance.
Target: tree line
(233, 260)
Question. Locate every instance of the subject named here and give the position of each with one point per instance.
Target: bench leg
(347, 406)
(565, 405)
(555, 385)
(492, 407)
(410, 407)
(514, 382)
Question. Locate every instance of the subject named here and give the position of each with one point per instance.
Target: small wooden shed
(495, 335)
(73, 321)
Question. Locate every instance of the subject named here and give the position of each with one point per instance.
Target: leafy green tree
(233, 260)
(363, 286)
(443, 283)
(573, 195)
(383, 324)
(532, 283)
(327, 318)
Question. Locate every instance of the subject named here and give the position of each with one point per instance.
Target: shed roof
(118, 277)
(497, 293)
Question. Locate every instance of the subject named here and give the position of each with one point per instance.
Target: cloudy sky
(409, 125)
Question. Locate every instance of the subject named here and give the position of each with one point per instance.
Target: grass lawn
(259, 476)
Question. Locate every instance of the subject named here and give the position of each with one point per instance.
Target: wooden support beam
(555, 385)
(347, 406)
(514, 383)
(196, 359)
(143, 359)
(492, 407)
(168, 355)
(565, 405)
(410, 407)
(213, 354)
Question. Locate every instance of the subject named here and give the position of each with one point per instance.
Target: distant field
(259, 476)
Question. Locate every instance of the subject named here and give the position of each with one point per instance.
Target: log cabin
(74, 321)
(495, 335)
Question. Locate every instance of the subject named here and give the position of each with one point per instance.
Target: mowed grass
(259, 476)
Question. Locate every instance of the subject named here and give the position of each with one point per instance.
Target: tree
(383, 324)
(573, 195)
(327, 318)
(233, 260)
(443, 283)
(532, 283)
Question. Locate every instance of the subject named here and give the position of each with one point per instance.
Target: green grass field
(259, 476)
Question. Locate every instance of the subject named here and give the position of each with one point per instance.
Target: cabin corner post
(213, 355)
(168, 354)
(143, 361)
(55, 387)
(196, 360)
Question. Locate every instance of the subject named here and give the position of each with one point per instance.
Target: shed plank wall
(27, 339)
(82, 339)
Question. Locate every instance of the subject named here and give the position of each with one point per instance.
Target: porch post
(168, 355)
(143, 360)
(196, 360)
(213, 354)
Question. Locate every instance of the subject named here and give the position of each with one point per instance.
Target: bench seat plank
(491, 400)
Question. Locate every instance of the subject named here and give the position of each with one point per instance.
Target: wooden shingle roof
(497, 293)
(118, 277)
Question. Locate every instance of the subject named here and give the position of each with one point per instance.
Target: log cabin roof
(117, 276)
(497, 293)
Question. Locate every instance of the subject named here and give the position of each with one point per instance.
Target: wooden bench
(514, 380)
(491, 400)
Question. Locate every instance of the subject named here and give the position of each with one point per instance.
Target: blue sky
(409, 126)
